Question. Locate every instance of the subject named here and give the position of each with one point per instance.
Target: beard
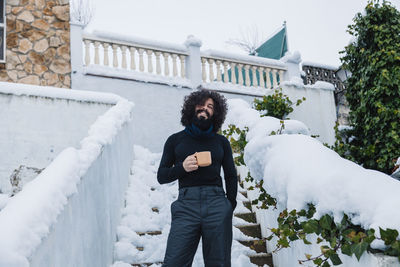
(201, 122)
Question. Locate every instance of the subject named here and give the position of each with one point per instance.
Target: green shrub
(373, 90)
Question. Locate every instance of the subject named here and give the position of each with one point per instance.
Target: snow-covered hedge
(67, 216)
(296, 169)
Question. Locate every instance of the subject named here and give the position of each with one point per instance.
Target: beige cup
(203, 158)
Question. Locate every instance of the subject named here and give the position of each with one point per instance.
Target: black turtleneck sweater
(180, 145)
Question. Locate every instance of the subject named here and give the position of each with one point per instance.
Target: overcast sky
(316, 28)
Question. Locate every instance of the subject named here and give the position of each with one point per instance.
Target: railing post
(76, 51)
(293, 66)
(193, 61)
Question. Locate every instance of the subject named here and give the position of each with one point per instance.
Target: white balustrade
(123, 50)
(226, 76)
(133, 64)
(236, 70)
(158, 62)
(115, 57)
(105, 47)
(174, 65)
(142, 57)
(96, 53)
(241, 73)
(219, 76)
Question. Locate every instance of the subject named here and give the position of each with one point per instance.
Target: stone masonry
(37, 43)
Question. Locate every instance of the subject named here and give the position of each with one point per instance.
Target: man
(201, 210)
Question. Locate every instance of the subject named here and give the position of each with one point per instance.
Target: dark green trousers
(200, 211)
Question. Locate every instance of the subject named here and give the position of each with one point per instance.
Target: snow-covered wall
(67, 215)
(158, 106)
(34, 129)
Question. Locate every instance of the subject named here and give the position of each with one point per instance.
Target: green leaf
(389, 236)
(326, 222)
(359, 248)
(326, 264)
(346, 249)
(311, 226)
(335, 259)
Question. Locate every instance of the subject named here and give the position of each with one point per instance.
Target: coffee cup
(203, 158)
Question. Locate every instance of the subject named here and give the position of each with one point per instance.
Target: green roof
(275, 47)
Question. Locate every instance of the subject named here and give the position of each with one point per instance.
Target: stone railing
(114, 55)
(140, 55)
(248, 70)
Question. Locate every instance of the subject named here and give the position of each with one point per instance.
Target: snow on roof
(57, 93)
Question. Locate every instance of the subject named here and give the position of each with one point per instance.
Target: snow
(298, 169)
(145, 193)
(136, 75)
(320, 65)
(242, 115)
(236, 88)
(138, 41)
(28, 217)
(319, 85)
(243, 58)
(19, 89)
(191, 40)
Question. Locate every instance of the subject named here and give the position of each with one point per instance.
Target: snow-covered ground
(145, 193)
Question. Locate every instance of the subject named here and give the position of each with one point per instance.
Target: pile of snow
(29, 216)
(243, 115)
(298, 169)
(145, 193)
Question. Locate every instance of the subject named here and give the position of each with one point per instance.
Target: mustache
(201, 110)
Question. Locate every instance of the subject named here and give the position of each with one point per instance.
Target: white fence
(161, 60)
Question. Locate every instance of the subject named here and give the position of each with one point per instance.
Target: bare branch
(82, 11)
(248, 41)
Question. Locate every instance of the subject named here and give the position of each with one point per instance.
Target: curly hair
(199, 97)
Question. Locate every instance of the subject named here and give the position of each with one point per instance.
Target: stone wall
(37, 43)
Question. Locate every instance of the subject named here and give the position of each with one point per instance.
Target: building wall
(157, 107)
(37, 43)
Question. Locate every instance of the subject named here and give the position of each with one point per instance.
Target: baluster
(233, 73)
(253, 73)
(274, 80)
(261, 74)
(105, 47)
(115, 57)
(203, 69)
(158, 62)
(96, 53)
(240, 72)
(182, 58)
(174, 65)
(149, 61)
(268, 78)
(141, 63)
(211, 69)
(166, 64)
(247, 70)
(226, 76)
(280, 76)
(219, 76)
(87, 52)
(133, 64)
(123, 51)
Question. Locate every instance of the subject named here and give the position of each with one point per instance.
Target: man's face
(205, 111)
